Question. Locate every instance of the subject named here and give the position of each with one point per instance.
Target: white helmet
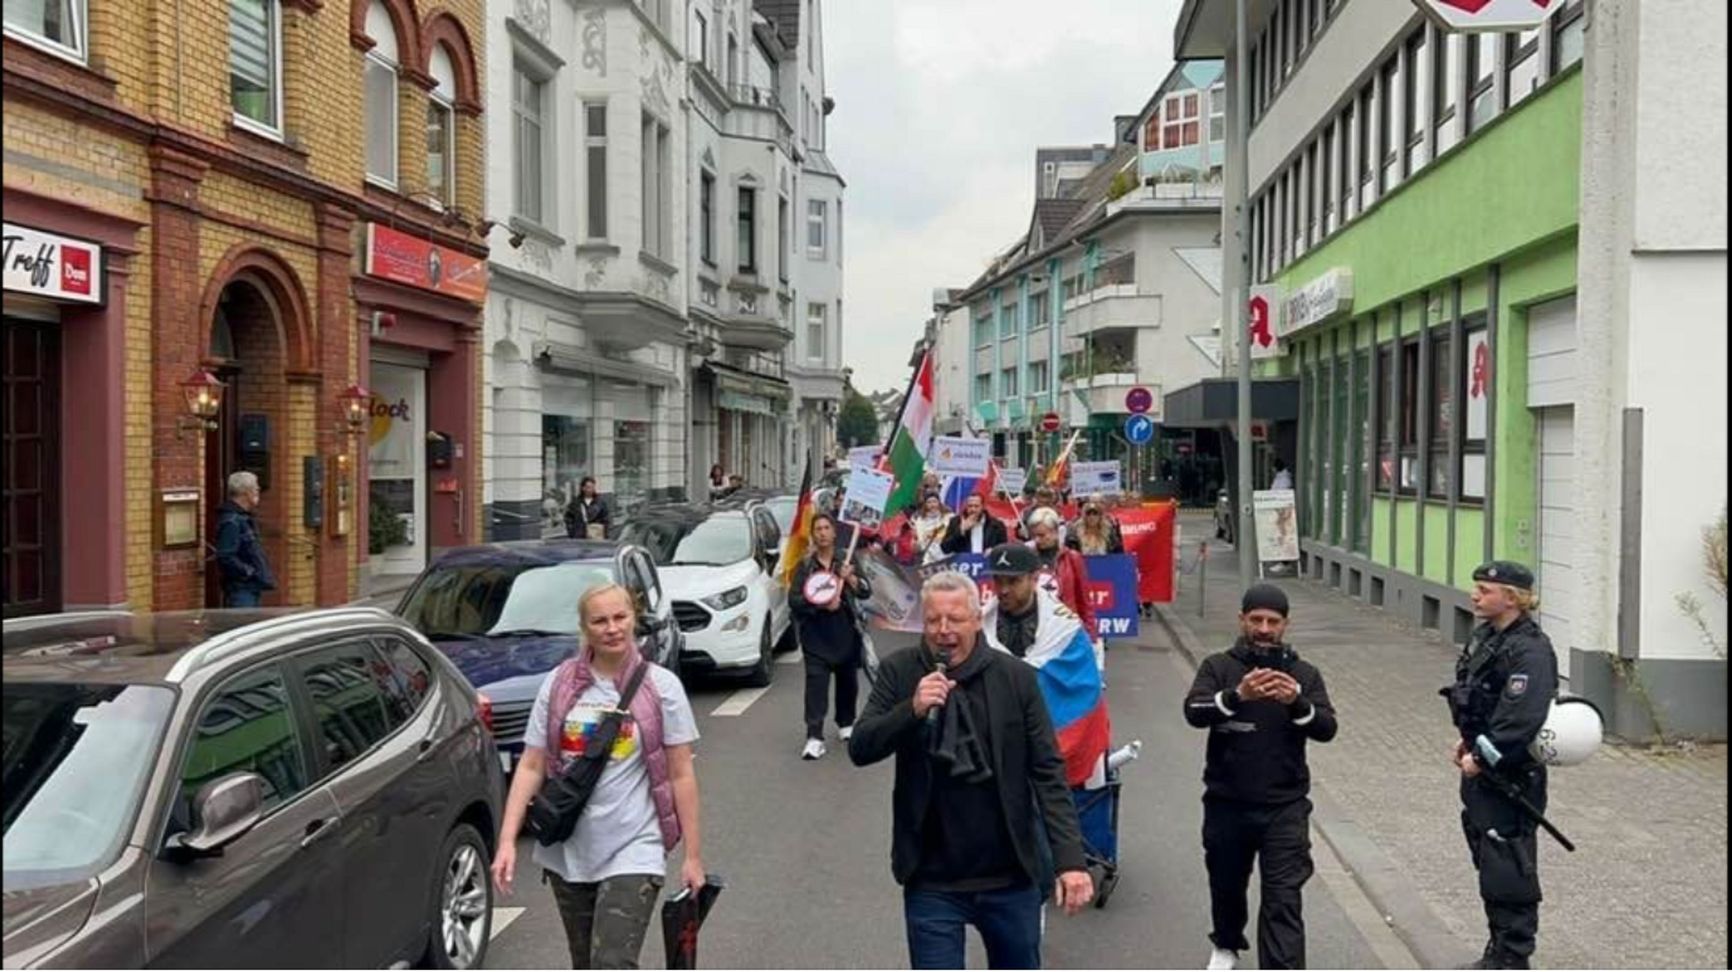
(1572, 732)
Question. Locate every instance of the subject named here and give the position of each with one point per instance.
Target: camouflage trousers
(605, 921)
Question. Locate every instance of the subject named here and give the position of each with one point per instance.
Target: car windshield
(783, 508)
(716, 541)
(76, 760)
(486, 600)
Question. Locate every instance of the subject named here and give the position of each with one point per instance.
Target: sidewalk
(1646, 887)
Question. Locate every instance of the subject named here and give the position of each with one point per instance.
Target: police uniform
(1505, 682)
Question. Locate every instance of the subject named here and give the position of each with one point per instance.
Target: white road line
(739, 702)
(502, 919)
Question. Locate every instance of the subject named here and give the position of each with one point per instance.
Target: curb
(1388, 888)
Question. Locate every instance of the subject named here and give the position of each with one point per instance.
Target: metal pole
(1244, 531)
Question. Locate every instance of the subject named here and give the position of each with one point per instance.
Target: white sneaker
(814, 749)
(1223, 958)
(845, 733)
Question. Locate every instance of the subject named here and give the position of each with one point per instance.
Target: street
(804, 848)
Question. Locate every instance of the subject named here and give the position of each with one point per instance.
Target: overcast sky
(939, 107)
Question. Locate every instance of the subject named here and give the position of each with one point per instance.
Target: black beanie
(1266, 597)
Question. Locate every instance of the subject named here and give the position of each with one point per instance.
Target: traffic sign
(1050, 422)
(1139, 400)
(1490, 15)
(1139, 429)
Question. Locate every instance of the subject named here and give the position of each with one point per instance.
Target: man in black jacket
(828, 633)
(1261, 704)
(973, 530)
(977, 775)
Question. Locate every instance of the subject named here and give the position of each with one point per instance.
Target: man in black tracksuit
(1505, 682)
(1261, 704)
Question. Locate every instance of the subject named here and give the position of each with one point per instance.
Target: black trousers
(1277, 839)
(1505, 848)
(818, 673)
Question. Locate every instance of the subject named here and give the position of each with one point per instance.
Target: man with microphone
(966, 839)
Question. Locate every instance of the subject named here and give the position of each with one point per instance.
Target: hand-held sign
(823, 589)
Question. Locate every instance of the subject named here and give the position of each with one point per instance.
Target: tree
(857, 424)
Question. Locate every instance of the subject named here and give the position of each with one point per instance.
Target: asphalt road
(803, 848)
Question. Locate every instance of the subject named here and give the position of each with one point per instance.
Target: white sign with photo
(1275, 515)
(956, 455)
(1012, 480)
(1478, 382)
(1095, 478)
(868, 493)
(865, 455)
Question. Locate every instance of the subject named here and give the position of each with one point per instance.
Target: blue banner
(1111, 588)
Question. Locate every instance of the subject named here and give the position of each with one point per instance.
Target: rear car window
(246, 727)
(481, 599)
(348, 702)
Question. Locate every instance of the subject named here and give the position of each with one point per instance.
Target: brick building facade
(278, 192)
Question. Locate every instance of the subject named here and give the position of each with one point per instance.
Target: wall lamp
(204, 401)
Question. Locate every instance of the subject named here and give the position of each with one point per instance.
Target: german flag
(800, 535)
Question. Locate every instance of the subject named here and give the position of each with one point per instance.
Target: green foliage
(857, 423)
(1123, 182)
(384, 527)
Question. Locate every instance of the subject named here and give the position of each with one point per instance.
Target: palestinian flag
(800, 534)
(905, 457)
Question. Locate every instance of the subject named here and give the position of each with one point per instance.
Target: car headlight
(727, 599)
(740, 623)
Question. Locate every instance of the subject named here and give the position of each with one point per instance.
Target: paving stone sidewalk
(1647, 886)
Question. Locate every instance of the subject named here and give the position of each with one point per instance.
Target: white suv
(718, 567)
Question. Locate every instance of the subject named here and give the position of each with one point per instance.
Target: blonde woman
(1095, 533)
(929, 528)
(607, 874)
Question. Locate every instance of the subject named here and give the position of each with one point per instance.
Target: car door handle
(318, 830)
(423, 750)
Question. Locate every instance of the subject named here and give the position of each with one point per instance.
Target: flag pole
(993, 468)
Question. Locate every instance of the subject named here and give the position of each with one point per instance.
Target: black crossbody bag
(553, 812)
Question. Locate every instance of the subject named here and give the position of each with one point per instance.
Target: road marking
(502, 919)
(739, 702)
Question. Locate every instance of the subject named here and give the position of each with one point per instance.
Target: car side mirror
(649, 625)
(225, 809)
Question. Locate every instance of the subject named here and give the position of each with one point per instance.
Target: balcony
(1104, 393)
(749, 324)
(1116, 308)
(749, 96)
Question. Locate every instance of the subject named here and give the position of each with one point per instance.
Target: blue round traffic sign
(1139, 429)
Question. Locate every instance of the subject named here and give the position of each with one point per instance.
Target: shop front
(752, 425)
(65, 306)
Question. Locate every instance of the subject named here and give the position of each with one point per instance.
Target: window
(526, 99)
(1445, 85)
(255, 63)
(347, 702)
(1039, 310)
(815, 319)
(1344, 172)
(407, 678)
(657, 190)
(838, 232)
(1295, 216)
(982, 320)
(1312, 210)
(1442, 419)
(55, 24)
(1388, 141)
(1326, 179)
(1385, 419)
(442, 128)
(733, 60)
(1567, 40)
(1408, 432)
(247, 727)
(1475, 371)
(701, 37)
(1180, 114)
(707, 218)
(748, 230)
(1007, 383)
(1007, 321)
(1367, 160)
(782, 237)
(565, 448)
(983, 387)
(1362, 450)
(380, 81)
(1218, 113)
(1414, 89)
(1481, 56)
(1522, 55)
(1038, 374)
(595, 169)
(1279, 26)
(815, 228)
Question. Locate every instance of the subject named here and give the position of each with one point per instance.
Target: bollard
(1202, 576)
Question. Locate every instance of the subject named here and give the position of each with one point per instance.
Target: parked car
(234, 789)
(781, 505)
(719, 567)
(506, 615)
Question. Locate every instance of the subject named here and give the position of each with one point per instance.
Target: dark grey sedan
(243, 789)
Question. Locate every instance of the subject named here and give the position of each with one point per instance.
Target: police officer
(1505, 681)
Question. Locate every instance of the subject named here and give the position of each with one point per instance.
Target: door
(769, 539)
(31, 561)
(274, 897)
(375, 750)
(397, 469)
(222, 457)
(1557, 550)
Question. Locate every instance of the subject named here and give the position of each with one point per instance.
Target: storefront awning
(1214, 402)
(740, 382)
(566, 359)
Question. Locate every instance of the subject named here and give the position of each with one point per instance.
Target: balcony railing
(746, 94)
(1111, 308)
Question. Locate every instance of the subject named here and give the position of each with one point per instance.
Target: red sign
(402, 258)
(1139, 400)
(1499, 15)
(49, 265)
(1261, 334)
(1049, 422)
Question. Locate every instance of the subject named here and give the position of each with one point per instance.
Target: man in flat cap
(1505, 681)
(1261, 703)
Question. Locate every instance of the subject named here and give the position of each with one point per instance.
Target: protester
(587, 515)
(242, 568)
(829, 635)
(930, 527)
(1095, 533)
(1505, 681)
(1261, 703)
(718, 482)
(1045, 498)
(607, 874)
(1283, 479)
(1066, 574)
(980, 791)
(974, 530)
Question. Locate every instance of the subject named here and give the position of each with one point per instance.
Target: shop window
(1442, 418)
(1340, 470)
(565, 460)
(631, 463)
(379, 74)
(1409, 417)
(57, 25)
(1385, 419)
(1362, 448)
(255, 64)
(1475, 368)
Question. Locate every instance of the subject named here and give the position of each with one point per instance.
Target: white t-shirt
(1283, 480)
(618, 832)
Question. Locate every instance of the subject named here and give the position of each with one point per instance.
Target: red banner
(400, 257)
(1148, 534)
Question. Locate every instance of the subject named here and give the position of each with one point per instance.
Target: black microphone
(932, 713)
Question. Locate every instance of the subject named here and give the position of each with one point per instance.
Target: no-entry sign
(1049, 422)
(1484, 15)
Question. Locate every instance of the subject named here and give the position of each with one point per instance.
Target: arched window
(442, 127)
(380, 82)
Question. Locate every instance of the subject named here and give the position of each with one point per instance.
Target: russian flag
(1070, 681)
(956, 489)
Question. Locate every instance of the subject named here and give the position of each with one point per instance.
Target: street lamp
(353, 403)
(204, 400)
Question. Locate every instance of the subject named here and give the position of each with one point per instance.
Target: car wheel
(765, 669)
(463, 902)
